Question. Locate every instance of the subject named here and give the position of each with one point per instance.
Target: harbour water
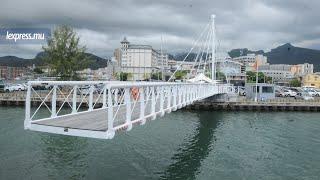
(181, 145)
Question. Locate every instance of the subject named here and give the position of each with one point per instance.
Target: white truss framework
(79, 108)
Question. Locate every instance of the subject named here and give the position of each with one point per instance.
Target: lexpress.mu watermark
(24, 35)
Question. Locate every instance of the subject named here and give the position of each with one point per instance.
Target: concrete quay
(221, 102)
(237, 103)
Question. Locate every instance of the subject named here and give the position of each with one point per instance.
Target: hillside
(285, 54)
(98, 62)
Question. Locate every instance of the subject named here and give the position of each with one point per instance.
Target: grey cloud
(256, 24)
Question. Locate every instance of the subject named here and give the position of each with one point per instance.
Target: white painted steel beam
(115, 107)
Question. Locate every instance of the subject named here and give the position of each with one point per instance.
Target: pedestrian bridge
(99, 109)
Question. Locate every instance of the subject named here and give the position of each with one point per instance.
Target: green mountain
(98, 62)
(285, 54)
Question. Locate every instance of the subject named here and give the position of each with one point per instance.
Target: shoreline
(237, 104)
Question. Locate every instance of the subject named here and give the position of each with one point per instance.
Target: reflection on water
(64, 155)
(187, 161)
(213, 145)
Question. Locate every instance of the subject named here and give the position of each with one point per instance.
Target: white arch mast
(213, 48)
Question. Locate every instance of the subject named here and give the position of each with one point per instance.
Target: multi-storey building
(172, 64)
(311, 80)
(251, 61)
(140, 60)
(285, 72)
(302, 69)
(7, 72)
(232, 70)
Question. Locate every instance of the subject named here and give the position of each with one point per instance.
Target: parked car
(8, 88)
(242, 91)
(289, 93)
(313, 92)
(85, 90)
(18, 87)
(279, 93)
(295, 89)
(14, 87)
(304, 95)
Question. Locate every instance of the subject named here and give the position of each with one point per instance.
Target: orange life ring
(135, 93)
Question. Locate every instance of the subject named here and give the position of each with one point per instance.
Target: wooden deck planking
(97, 119)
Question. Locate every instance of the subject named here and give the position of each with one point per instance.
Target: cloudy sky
(101, 24)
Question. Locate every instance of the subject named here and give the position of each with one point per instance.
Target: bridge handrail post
(169, 91)
(142, 106)
(27, 121)
(202, 90)
(188, 94)
(153, 103)
(179, 96)
(161, 93)
(104, 97)
(116, 98)
(174, 106)
(183, 92)
(74, 99)
(110, 130)
(91, 98)
(195, 92)
(54, 102)
(127, 100)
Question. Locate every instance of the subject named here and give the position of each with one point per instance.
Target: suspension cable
(194, 44)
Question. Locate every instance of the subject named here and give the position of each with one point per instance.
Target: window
(267, 89)
(254, 89)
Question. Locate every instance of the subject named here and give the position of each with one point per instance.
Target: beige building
(286, 72)
(311, 80)
(250, 61)
(140, 60)
(302, 69)
(172, 63)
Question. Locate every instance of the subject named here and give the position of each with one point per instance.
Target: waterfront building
(278, 75)
(10, 73)
(286, 72)
(232, 70)
(302, 69)
(251, 61)
(172, 64)
(312, 80)
(278, 72)
(106, 73)
(140, 60)
(186, 65)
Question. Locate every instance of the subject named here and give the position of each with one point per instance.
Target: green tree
(180, 74)
(123, 76)
(38, 70)
(251, 77)
(220, 76)
(64, 55)
(295, 83)
(146, 76)
(156, 75)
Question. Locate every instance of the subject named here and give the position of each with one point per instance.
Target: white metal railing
(124, 103)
